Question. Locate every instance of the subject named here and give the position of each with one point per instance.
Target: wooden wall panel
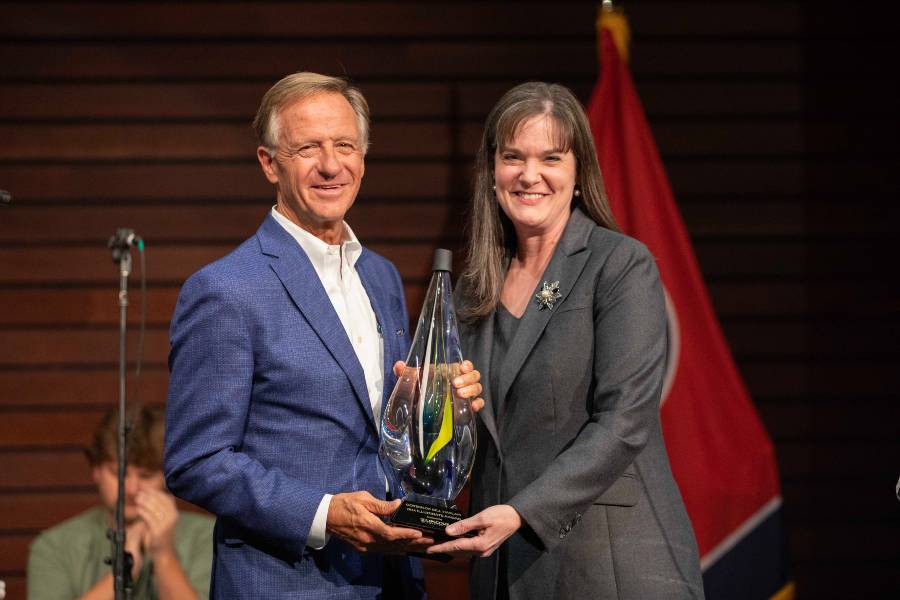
(776, 121)
(200, 181)
(187, 141)
(236, 101)
(26, 469)
(379, 19)
(69, 388)
(412, 220)
(209, 101)
(21, 511)
(146, 141)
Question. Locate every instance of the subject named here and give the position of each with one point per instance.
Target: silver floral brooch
(548, 295)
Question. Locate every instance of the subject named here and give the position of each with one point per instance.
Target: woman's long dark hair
(491, 235)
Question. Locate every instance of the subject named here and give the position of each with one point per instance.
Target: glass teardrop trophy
(427, 432)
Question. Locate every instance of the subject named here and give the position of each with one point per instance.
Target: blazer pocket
(624, 492)
(565, 307)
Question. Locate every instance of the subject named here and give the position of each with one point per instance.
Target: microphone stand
(122, 561)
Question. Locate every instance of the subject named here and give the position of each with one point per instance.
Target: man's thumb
(385, 507)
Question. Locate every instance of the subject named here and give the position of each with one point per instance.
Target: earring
(494, 187)
(577, 192)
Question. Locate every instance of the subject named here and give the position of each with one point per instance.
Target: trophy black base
(431, 520)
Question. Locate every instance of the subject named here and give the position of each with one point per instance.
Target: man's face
(318, 164)
(136, 479)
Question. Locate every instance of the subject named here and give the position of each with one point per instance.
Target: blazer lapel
(482, 336)
(302, 283)
(565, 266)
(380, 299)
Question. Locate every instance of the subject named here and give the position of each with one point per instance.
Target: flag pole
(612, 18)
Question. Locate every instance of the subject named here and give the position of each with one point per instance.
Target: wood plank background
(777, 123)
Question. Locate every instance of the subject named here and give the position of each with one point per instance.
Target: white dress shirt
(336, 267)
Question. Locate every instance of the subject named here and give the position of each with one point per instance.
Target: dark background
(776, 121)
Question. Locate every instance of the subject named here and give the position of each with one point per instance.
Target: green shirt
(67, 560)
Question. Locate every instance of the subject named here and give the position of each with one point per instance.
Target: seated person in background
(172, 550)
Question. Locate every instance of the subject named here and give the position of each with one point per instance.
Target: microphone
(123, 238)
(122, 241)
(5, 198)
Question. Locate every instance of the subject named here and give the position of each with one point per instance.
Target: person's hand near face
(156, 509)
(150, 511)
(158, 514)
(150, 518)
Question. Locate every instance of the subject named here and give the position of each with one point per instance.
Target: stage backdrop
(776, 122)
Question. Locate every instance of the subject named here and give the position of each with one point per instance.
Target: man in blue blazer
(281, 360)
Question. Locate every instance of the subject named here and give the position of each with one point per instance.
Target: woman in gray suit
(566, 318)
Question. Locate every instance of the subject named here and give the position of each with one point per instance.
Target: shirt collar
(316, 249)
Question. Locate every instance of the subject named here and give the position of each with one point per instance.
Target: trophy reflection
(427, 432)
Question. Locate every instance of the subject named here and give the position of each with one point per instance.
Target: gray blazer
(576, 446)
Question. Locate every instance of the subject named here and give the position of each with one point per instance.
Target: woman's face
(534, 178)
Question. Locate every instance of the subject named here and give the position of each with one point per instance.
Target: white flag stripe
(674, 334)
(711, 557)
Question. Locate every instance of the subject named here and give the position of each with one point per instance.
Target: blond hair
(303, 85)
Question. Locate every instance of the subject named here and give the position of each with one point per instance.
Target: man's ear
(267, 162)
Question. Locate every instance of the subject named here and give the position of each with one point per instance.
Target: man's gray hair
(303, 85)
